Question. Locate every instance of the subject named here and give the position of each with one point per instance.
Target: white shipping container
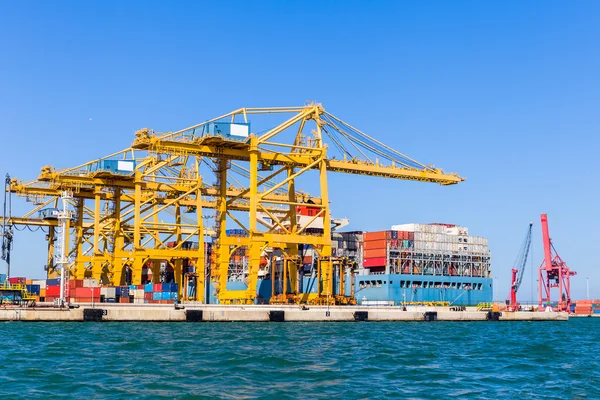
(452, 231)
(90, 282)
(404, 227)
(41, 282)
(439, 228)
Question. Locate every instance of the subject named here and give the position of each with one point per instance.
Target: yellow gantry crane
(143, 206)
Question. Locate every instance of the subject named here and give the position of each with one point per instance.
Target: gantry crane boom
(519, 269)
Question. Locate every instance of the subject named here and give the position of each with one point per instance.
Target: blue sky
(504, 93)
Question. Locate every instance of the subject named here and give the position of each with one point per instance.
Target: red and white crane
(553, 274)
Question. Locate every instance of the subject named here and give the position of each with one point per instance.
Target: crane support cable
(379, 143)
(373, 147)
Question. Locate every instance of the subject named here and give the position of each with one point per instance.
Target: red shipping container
(307, 260)
(374, 262)
(124, 300)
(17, 281)
(375, 253)
(411, 235)
(86, 292)
(75, 283)
(49, 299)
(157, 287)
(84, 300)
(376, 244)
(148, 296)
(139, 286)
(52, 291)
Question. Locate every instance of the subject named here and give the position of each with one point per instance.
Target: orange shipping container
(375, 244)
(375, 235)
(586, 302)
(375, 253)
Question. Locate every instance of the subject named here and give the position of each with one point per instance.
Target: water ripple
(553, 360)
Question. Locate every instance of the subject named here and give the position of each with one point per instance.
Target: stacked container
(160, 293)
(375, 248)
(587, 307)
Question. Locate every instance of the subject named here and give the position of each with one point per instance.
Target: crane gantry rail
(140, 206)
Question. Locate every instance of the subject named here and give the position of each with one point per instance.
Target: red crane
(554, 273)
(517, 271)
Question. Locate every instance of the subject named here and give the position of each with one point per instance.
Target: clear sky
(505, 93)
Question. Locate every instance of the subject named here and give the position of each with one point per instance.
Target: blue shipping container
(35, 289)
(124, 291)
(53, 282)
(148, 288)
(169, 287)
(174, 296)
(157, 296)
(2, 278)
(165, 296)
(132, 287)
(118, 291)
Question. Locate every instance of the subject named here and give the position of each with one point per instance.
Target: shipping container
(375, 253)
(376, 244)
(52, 291)
(370, 236)
(375, 262)
(34, 289)
(90, 282)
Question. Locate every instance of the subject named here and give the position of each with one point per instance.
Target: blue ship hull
(394, 289)
(405, 288)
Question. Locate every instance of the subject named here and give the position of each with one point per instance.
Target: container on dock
(34, 289)
(90, 282)
(41, 282)
(52, 291)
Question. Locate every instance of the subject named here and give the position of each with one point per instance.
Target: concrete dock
(283, 313)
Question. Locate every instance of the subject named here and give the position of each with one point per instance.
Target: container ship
(407, 264)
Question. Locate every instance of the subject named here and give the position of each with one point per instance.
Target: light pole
(587, 288)
(495, 288)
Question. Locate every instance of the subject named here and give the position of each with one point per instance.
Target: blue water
(517, 360)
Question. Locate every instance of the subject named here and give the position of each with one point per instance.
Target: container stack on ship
(424, 263)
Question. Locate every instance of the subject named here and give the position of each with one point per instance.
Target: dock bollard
(193, 315)
(361, 315)
(430, 316)
(92, 314)
(493, 315)
(276, 316)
